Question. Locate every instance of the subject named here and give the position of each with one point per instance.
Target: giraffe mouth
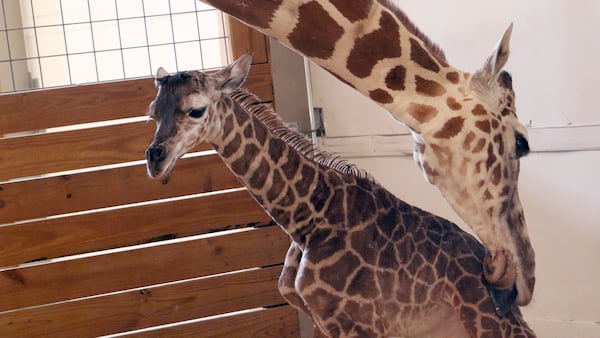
(163, 175)
(158, 165)
(501, 274)
(500, 269)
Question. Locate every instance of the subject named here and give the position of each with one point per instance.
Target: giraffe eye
(521, 145)
(197, 113)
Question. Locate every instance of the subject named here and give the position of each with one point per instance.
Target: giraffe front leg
(287, 285)
(287, 279)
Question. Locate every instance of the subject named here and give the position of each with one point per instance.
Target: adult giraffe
(468, 139)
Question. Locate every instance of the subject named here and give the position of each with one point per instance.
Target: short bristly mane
(433, 48)
(265, 114)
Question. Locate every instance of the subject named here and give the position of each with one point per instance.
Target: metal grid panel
(49, 43)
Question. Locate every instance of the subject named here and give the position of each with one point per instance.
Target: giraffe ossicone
(468, 139)
(362, 263)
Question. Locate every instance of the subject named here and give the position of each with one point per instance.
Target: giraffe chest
(352, 277)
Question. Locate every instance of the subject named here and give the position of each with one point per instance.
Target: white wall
(555, 70)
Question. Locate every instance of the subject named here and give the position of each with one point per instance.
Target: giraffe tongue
(503, 299)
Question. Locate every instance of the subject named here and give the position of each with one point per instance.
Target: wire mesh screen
(49, 43)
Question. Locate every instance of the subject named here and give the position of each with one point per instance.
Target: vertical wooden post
(245, 39)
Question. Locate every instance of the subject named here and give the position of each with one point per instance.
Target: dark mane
(265, 114)
(433, 48)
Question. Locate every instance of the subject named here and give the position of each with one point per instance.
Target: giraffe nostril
(156, 154)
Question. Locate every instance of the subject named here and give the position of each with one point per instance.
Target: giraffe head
(472, 156)
(186, 111)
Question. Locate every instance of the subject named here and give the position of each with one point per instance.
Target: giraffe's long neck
(275, 164)
(369, 44)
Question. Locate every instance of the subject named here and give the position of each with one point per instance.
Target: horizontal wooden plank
(37, 110)
(105, 188)
(148, 307)
(57, 237)
(55, 152)
(109, 272)
(279, 322)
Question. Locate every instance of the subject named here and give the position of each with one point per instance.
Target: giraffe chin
(163, 175)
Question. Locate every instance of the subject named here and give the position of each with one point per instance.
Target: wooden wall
(90, 246)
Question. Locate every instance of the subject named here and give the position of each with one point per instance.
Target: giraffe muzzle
(155, 158)
(501, 273)
(156, 154)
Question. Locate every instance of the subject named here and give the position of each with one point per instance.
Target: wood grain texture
(105, 188)
(55, 152)
(109, 272)
(57, 237)
(41, 109)
(279, 322)
(245, 39)
(148, 307)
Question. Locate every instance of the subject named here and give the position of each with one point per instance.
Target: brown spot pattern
(353, 10)
(302, 213)
(380, 44)
(260, 131)
(451, 128)
(306, 178)
(232, 147)
(259, 177)
(241, 116)
(467, 142)
(291, 166)
(362, 284)
(453, 104)
(242, 164)
(491, 157)
(276, 148)
(480, 145)
(316, 32)
(335, 274)
(288, 199)
(320, 193)
(280, 216)
(277, 186)
(396, 78)
(497, 174)
(479, 110)
(228, 126)
(360, 204)
(484, 126)
(248, 131)
(428, 87)
(499, 140)
(453, 77)
(335, 211)
(381, 96)
(420, 56)
(421, 112)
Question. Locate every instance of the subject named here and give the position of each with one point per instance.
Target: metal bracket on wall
(318, 120)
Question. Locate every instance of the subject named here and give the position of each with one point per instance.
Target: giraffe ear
(494, 64)
(161, 73)
(231, 77)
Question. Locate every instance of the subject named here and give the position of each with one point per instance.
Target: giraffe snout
(156, 154)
